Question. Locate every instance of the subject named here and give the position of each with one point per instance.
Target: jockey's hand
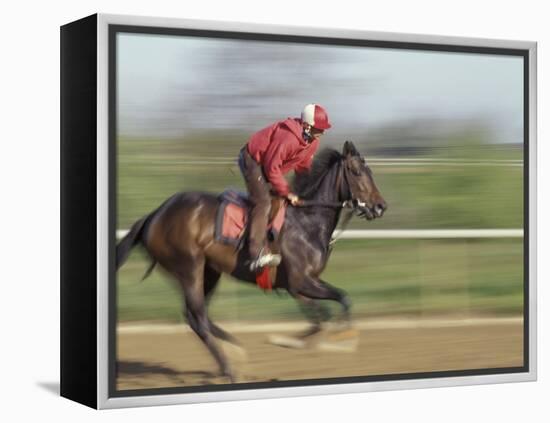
(293, 199)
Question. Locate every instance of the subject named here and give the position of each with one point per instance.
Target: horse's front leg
(302, 264)
(317, 289)
(315, 312)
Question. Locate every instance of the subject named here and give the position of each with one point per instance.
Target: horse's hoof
(287, 341)
(314, 330)
(235, 352)
(230, 376)
(340, 341)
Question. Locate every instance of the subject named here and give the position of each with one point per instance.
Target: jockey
(269, 154)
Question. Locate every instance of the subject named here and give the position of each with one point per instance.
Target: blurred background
(442, 132)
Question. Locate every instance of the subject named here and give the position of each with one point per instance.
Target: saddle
(232, 218)
(232, 224)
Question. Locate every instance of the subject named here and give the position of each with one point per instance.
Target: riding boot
(264, 259)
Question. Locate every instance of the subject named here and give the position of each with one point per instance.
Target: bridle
(359, 207)
(345, 190)
(353, 203)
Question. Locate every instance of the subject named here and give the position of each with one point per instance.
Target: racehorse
(179, 235)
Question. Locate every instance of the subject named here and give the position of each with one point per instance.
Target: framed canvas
(392, 183)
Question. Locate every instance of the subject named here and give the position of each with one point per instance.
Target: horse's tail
(149, 270)
(134, 237)
(130, 240)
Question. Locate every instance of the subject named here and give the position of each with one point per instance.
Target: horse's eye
(354, 171)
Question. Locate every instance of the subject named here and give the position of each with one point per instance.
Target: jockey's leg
(258, 189)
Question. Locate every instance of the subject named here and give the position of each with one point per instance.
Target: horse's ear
(349, 149)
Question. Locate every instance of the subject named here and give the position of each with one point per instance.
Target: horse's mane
(305, 184)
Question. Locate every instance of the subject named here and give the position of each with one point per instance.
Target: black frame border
(78, 211)
(114, 29)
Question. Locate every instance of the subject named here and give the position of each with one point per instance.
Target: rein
(333, 204)
(347, 204)
(330, 204)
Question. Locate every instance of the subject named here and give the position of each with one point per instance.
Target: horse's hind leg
(211, 279)
(192, 282)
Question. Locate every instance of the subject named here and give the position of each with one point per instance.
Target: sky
(169, 85)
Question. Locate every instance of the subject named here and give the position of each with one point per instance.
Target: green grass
(382, 277)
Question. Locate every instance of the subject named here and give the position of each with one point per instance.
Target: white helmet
(316, 116)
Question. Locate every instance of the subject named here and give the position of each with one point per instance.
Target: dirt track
(152, 360)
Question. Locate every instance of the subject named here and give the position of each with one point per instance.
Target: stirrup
(265, 260)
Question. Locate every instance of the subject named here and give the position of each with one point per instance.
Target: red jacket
(280, 148)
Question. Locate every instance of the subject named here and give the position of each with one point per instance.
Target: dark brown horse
(179, 235)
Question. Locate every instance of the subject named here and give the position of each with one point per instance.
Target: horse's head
(367, 200)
